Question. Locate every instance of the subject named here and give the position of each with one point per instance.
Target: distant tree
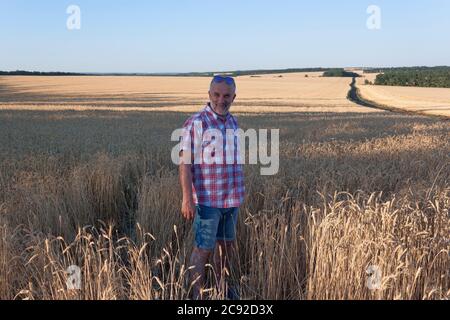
(340, 73)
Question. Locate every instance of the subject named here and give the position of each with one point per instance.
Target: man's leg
(205, 228)
(222, 255)
(225, 249)
(199, 258)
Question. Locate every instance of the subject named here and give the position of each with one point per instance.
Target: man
(213, 189)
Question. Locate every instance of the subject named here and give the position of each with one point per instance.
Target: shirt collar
(216, 116)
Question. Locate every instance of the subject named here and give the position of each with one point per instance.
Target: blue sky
(201, 35)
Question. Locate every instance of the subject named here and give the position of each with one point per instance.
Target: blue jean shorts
(213, 224)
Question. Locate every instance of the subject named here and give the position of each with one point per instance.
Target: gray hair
(232, 85)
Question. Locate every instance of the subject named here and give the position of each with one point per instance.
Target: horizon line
(209, 73)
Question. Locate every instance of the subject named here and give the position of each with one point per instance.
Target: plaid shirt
(218, 183)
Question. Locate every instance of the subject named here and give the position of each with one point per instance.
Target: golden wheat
(433, 101)
(265, 93)
(97, 189)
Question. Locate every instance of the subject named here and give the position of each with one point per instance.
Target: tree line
(438, 77)
(186, 74)
(37, 73)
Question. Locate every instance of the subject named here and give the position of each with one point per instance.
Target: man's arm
(188, 206)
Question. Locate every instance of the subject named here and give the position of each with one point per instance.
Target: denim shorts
(213, 224)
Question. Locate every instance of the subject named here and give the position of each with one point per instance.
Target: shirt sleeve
(191, 135)
(187, 137)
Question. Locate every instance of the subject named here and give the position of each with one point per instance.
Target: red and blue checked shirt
(219, 183)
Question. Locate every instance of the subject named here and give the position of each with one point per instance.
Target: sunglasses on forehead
(228, 80)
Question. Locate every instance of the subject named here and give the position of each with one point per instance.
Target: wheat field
(432, 101)
(86, 180)
(266, 93)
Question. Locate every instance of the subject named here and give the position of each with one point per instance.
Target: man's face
(221, 96)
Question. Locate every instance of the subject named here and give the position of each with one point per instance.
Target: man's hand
(188, 209)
